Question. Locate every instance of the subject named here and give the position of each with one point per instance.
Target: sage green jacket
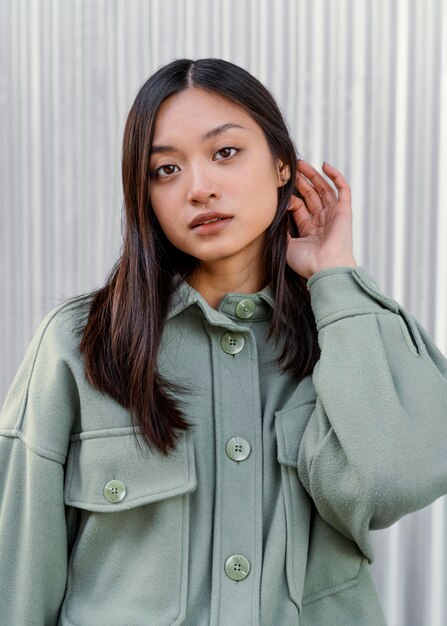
(263, 514)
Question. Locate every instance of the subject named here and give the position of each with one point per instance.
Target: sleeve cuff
(343, 291)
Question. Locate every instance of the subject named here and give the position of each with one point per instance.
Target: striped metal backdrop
(363, 85)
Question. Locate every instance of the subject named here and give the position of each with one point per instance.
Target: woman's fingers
(295, 203)
(317, 194)
(344, 190)
(310, 195)
(299, 210)
(318, 191)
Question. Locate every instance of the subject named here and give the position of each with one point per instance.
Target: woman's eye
(161, 172)
(226, 150)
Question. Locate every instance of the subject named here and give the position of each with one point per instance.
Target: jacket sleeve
(374, 448)
(34, 430)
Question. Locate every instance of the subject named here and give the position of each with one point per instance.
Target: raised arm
(375, 447)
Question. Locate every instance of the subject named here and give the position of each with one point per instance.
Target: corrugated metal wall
(363, 85)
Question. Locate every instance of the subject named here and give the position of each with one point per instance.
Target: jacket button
(245, 308)
(237, 448)
(237, 567)
(115, 491)
(232, 343)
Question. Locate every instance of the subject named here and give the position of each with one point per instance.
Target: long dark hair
(126, 317)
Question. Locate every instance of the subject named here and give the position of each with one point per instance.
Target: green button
(245, 308)
(232, 343)
(237, 567)
(237, 448)
(115, 491)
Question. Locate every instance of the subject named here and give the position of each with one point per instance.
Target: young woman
(210, 437)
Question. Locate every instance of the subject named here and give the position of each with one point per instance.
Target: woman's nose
(202, 185)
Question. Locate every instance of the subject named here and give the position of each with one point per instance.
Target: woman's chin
(219, 250)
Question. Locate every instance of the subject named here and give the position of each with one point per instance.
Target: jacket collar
(185, 296)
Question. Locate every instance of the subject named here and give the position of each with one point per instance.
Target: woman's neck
(214, 280)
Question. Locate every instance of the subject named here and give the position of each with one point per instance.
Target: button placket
(236, 393)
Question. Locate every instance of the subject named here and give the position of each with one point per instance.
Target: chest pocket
(129, 560)
(319, 560)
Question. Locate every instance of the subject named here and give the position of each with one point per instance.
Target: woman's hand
(324, 221)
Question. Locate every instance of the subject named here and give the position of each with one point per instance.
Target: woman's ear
(283, 172)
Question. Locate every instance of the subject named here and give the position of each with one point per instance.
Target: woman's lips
(207, 216)
(212, 227)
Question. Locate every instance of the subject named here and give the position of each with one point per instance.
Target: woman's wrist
(348, 262)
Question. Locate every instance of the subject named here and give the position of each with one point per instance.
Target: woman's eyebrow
(214, 132)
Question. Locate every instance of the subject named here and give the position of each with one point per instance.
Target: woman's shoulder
(62, 326)
(43, 400)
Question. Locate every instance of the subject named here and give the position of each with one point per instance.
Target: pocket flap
(290, 424)
(144, 476)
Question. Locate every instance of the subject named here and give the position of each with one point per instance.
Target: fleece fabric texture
(351, 448)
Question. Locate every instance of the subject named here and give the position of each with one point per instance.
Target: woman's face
(209, 155)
